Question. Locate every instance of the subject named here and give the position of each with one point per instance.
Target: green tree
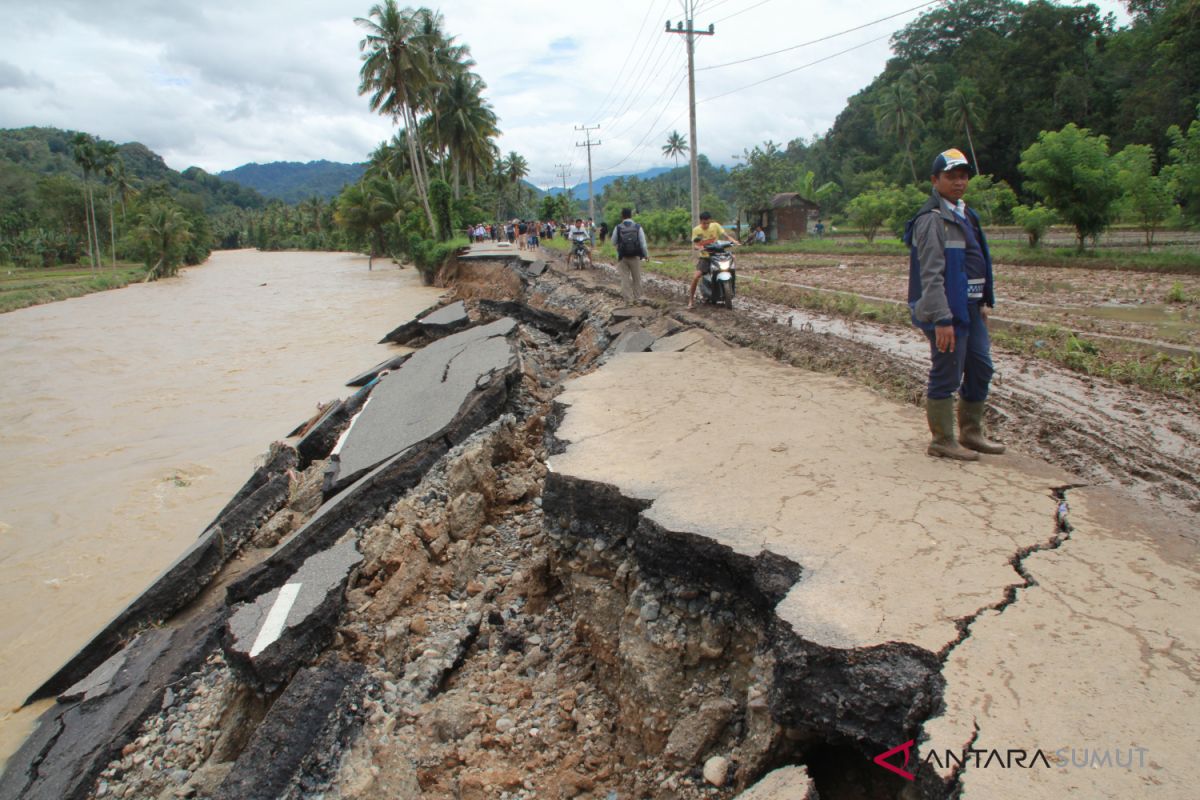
(869, 211)
(439, 198)
(467, 125)
(397, 70)
(993, 200)
(897, 116)
(162, 234)
(675, 147)
(1035, 220)
(1183, 173)
(83, 150)
(807, 188)
(1073, 173)
(1148, 197)
(964, 111)
(107, 159)
(515, 169)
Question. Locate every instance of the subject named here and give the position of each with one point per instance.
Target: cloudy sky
(220, 83)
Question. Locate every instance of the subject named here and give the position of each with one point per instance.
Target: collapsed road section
(574, 549)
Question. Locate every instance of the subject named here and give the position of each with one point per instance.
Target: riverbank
(21, 288)
(129, 418)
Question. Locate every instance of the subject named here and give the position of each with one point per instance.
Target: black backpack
(629, 243)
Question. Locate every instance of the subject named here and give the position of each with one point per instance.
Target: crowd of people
(527, 234)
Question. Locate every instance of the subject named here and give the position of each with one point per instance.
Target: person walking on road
(949, 294)
(630, 241)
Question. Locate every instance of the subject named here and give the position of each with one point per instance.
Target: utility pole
(589, 144)
(564, 170)
(686, 28)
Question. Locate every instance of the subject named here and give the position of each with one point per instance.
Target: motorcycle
(579, 251)
(719, 285)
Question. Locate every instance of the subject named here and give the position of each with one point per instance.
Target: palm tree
(923, 83)
(515, 168)
(107, 157)
(807, 188)
(445, 60)
(675, 147)
(897, 116)
(468, 125)
(396, 71)
(963, 112)
(163, 231)
(83, 149)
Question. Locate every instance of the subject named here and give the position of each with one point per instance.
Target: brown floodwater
(129, 418)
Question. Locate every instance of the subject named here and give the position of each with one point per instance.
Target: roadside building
(789, 217)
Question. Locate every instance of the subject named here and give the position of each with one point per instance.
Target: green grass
(1122, 363)
(21, 288)
(1024, 256)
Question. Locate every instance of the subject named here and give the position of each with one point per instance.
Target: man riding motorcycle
(704, 234)
(579, 237)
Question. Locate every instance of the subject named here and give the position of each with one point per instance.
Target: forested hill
(30, 154)
(292, 182)
(995, 73)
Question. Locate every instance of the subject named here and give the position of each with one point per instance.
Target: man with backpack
(630, 241)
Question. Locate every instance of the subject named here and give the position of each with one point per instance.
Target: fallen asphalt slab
(930, 603)
(422, 397)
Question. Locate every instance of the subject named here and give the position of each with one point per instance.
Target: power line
(646, 76)
(647, 107)
(794, 69)
(743, 11)
(589, 144)
(822, 39)
(665, 106)
(649, 45)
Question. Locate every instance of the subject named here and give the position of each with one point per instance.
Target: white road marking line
(276, 618)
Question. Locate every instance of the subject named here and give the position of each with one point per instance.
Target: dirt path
(1108, 434)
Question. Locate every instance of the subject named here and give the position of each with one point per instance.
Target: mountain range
(292, 181)
(579, 190)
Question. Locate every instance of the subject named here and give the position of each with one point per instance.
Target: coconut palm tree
(675, 147)
(897, 116)
(83, 150)
(921, 79)
(515, 168)
(162, 231)
(397, 69)
(107, 157)
(964, 112)
(468, 125)
(445, 60)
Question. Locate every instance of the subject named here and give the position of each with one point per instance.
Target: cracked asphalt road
(1049, 642)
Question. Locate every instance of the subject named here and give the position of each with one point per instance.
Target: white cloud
(224, 82)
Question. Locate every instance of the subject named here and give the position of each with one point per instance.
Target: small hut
(789, 217)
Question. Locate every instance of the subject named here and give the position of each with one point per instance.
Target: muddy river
(128, 418)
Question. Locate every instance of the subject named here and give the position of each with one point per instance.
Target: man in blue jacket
(949, 294)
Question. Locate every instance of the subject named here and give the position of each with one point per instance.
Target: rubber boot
(940, 414)
(970, 429)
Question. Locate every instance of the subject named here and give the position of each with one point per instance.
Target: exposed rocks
(297, 744)
(76, 738)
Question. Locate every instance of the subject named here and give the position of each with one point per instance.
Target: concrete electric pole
(564, 170)
(589, 144)
(686, 29)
